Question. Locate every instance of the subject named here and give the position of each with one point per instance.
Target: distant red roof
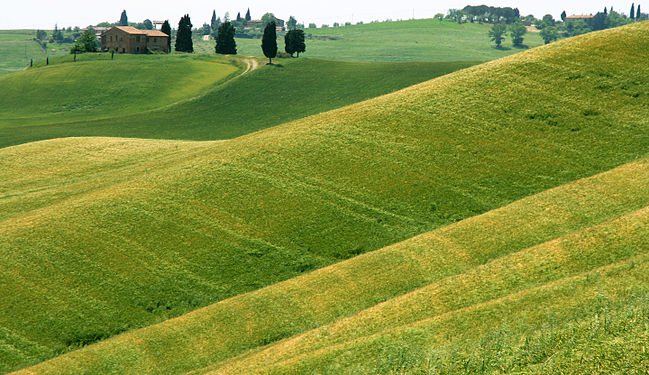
(134, 31)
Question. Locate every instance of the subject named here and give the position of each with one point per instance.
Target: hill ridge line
(448, 282)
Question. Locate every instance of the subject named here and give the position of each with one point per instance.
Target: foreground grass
(141, 231)
(114, 103)
(436, 285)
(399, 41)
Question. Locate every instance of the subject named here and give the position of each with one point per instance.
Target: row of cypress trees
(225, 44)
(294, 41)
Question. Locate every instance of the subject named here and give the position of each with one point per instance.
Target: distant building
(255, 24)
(582, 17)
(128, 39)
(258, 24)
(156, 23)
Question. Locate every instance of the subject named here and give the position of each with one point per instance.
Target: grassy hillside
(114, 234)
(416, 40)
(17, 48)
(529, 253)
(105, 88)
(37, 104)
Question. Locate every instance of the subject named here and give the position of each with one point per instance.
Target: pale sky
(44, 14)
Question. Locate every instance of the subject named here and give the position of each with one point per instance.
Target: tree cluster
(491, 14)
(87, 42)
(294, 42)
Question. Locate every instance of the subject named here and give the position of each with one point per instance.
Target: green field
(417, 40)
(105, 235)
(17, 48)
(88, 90)
(559, 258)
(59, 101)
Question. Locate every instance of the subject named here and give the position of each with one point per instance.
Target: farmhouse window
(137, 39)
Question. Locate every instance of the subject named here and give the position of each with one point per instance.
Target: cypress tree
(166, 28)
(239, 16)
(248, 15)
(225, 43)
(184, 35)
(632, 14)
(213, 24)
(563, 16)
(638, 14)
(269, 41)
(123, 19)
(605, 11)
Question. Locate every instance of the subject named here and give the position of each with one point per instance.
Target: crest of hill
(144, 230)
(554, 254)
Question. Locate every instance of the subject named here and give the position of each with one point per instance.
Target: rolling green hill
(398, 41)
(99, 236)
(60, 101)
(88, 90)
(539, 254)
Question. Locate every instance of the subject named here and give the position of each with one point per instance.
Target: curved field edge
(260, 99)
(316, 191)
(594, 320)
(621, 240)
(450, 268)
(90, 90)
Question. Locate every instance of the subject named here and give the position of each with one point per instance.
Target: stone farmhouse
(127, 39)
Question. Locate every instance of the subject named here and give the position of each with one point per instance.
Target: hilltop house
(257, 24)
(127, 39)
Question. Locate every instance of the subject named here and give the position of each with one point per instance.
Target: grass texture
(99, 236)
(125, 97)
(437, 302)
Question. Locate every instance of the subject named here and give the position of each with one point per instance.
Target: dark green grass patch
(109, 98)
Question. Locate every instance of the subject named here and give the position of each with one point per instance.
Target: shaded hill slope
(115, 234)
(121, 97)
(535, 254)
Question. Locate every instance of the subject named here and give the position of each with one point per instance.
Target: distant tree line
(506, 20)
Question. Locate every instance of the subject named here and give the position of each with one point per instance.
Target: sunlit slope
(506, 256)
(86, 90)
(109, 238)
(260, 99)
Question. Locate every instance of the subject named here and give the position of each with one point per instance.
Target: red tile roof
(134, 31)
